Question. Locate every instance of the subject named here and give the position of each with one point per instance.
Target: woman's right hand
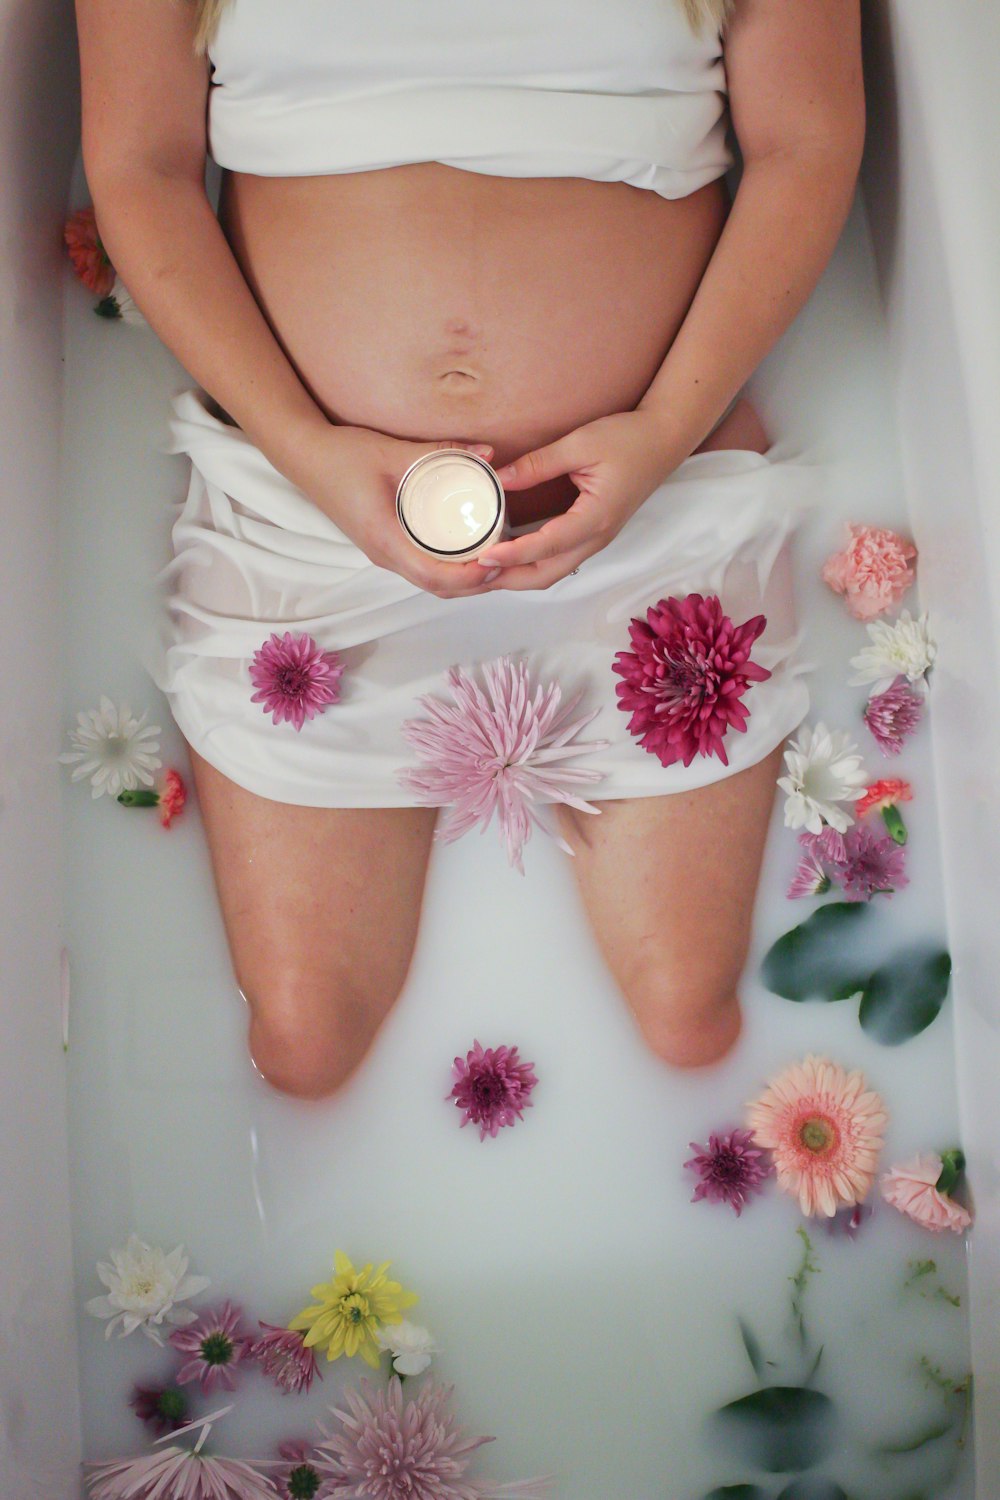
(352, 474)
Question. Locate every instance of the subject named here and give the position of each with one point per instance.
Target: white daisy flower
(127, 310)
(904, 648)
(411, 1346)
(113, 748)
(143, 1287)
(825, 770)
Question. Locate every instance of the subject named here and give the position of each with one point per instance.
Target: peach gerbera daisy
(824, 1128)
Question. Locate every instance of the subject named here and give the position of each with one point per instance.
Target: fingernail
(493, 573)
(482, 449)
(507, 472)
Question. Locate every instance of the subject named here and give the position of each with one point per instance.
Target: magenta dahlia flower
(163, 1408)
(216, 1343)
(871, 865)
(500, 751)
(295, 678)
(685, 677)
(730, 1169)
(492, 1087)
(281, 1355)
(391, 1449)
(892, 716)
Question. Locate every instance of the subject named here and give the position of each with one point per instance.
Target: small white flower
(143, 1287)
(825, 770)
(127, 310)
(904, 648)
(113, 748)
(411, 1346)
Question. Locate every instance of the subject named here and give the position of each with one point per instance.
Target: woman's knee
(689, 1018)
(307, 1037)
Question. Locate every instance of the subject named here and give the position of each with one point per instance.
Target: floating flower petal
(144, 1287)
(351, 1309)
(730, 1169)
(389, 1448)
(904, 648)
(503, 752)
(114, 748)
(824, 771)
(216, 1343)
(295, 678)
(912, 1188)
(685, 677)
(872, 572)
(893, 716)
(825, 1129)
(492, 1087)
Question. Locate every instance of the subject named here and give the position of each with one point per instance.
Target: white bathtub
(933, 206)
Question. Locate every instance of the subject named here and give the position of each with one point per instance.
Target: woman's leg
(669, 882)
(321, 907)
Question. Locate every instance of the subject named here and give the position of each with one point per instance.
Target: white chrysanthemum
(411, 1346)
(824, 770)
(114, 748)
(144, 1286)
(127, 310)
(904, 648)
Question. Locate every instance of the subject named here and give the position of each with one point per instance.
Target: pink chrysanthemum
(90, 259)
(163, 1408)
(281, 1355)
(295, 679)
(176, 1472)
(892, 716)
(492, 1087)
(685, 677)
(730, 1169)
(500, 751)
(912, 1189)
(391, 1449)
(872, 572)
(824, 856)
(216, 1342)
(824, 1128)
(872, 865)
(299, 1478)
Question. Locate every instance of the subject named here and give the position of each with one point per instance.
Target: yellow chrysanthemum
(350, 1309)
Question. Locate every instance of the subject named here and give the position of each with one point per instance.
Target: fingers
(539, 465)
(542, 575)
(482, 449)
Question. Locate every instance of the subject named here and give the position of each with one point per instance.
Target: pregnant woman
(503, 228)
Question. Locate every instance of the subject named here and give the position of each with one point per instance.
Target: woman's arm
(797, 104)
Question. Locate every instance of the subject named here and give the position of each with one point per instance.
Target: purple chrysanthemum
(685, 677)
(892, 716)
(300, 1479)
(295, 678)
(871, 865)
(500, 751)
(492, 1087)
(163, 1408)
(391, 1449)
(730, 1169)
(281, 1355)
(216, 1343)
(824, 856)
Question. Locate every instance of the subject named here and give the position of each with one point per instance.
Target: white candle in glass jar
(451, 504)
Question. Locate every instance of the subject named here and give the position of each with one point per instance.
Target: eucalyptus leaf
(780, 1428)
(812, 1489)
(818, 959)
(737, 1492)
(750, 1344)
(904, 996)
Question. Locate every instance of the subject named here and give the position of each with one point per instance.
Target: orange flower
(824, 1129)
(883, 794)
(173, 795)
(89, 257)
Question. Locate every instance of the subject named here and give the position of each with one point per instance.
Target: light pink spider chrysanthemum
(178, 1473)
(824, 1129)
(295, 678)
(500, 751)
(389, 1448)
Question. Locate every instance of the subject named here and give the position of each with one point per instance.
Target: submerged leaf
(781, 1427)
(737, 1492)
(812, 1489)
(750, 1344)
(817, 960)
(913, 1445)
(904, 996)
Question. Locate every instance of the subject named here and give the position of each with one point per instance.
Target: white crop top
(614, 90)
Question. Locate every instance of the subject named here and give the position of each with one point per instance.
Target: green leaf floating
(737, 1492)
(817, 959)
(812, 1489)
(780, 1428)
(903, 997)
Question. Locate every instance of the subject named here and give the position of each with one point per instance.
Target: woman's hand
(616, 462)
(352, 474)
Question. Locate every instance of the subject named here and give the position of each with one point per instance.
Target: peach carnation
(882, 794)
(173, 795)
(872, 572)
(912, 1188)
(90, 259)
(824, 1129)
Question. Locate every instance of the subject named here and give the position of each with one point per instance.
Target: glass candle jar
(451, 504)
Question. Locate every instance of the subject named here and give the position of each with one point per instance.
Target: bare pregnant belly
(428, 302)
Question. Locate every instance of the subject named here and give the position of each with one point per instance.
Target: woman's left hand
(616, 462)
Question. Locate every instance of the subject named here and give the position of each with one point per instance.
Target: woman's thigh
(669, 885)
(321, 908)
